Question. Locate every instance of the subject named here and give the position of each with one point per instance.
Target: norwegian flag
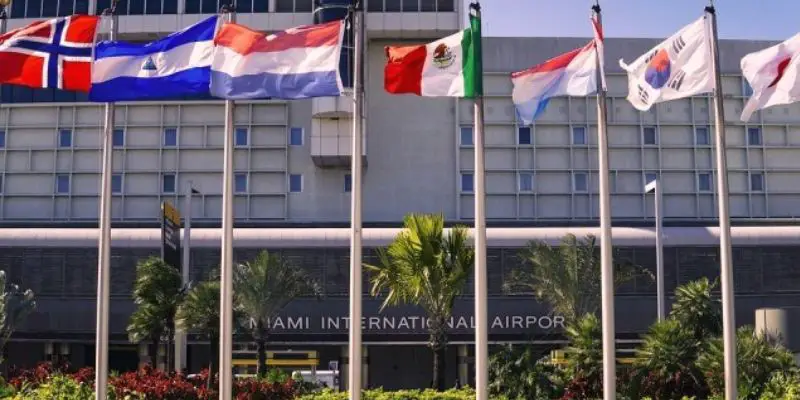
(56, 53)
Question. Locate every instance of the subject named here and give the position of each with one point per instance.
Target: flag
(173, 67)
(773, 73)
(448, 67)
(298, 63)
(570, 74)
(55, 53)
(678, 67)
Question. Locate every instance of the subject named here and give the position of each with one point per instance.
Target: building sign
(170, 235)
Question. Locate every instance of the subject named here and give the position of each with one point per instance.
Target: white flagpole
(104, 242)
(726, 267)
(355, 346)
(226, 289)
(606, 262)
(181, 347)
(481, 291)
(655, 187)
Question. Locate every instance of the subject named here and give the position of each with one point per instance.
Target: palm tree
(666, 362)
(199, 312)
(567, 276)
(697, 309)
(157, 292)
(263, 287)
(15, 305)
(426, 267)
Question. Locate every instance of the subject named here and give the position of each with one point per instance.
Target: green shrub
(380, 394)
(58, 387)
(782, 385)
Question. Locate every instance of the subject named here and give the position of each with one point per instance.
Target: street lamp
(654, 187)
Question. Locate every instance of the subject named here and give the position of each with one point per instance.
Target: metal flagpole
(481, 293)
(354, 383)
(606, 263)
(661, 302)
(180, 334)
(726, 267)
(104, 242)
(226, 289)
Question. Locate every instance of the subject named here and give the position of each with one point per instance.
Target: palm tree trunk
(261, 354)
(438, 344)
(154, 351)
(213, 352)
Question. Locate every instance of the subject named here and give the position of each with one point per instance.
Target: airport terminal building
(292, 188)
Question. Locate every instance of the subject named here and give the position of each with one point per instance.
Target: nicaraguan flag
(297, 63)
(173, 67)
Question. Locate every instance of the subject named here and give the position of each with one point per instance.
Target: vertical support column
(463, 365)
(272, 5)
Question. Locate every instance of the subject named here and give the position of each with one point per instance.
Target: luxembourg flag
(570, 74)
(298, 63)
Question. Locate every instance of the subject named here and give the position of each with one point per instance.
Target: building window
(467, 183)
(116, 183)
(756, 182)
(296, 6)
(65, 138)
(650, 135)
(241, 136)
(240, 183)
(295, 136)
(578, 135)
(701, 136)
(754, 136)
(168, 183)
(348, 183)
(612, 182)
(704, 182)
(747, 90)
(2, 139)
(62, 184)
(524, 135)
(580, 182)
(525, 182)
(295, 183)
(118, 138)
(170, 137)
(649, 177)
(466, 136)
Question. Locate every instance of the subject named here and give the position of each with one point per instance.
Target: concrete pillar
(782, 324)
(181, 6)
(272, 5)
(344, 366)
(463, 365)
(50, 352)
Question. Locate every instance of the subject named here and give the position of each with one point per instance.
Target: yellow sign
(171, 213)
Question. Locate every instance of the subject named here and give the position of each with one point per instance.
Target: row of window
(702, 135)
(580, 181)
(170, 137)
(52, 8)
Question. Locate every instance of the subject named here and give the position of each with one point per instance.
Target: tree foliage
(567, 276)
(15, 305)
(426, 267)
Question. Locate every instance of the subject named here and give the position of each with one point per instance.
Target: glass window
(65, 138)
(1, 183)
(649, 177)
(525, 182)
(244, 6)
(303, 5)
(467, 183)
(445, 5)
(135, 7)
(578, 135)
(240, 183)
(170, 7)
(466, 136)
(348, 183)
(393, 6)
(704, 182)
(524, 135)
(701, 136)
(116, 183)
(260, 6)
(411, 5)
(18, 9)
(375, 5)
(153, 7)
(747, 90)
(49, 8)
(82, 6)
(209, 7)
(2, 139)
(168, 183)
(62, 184)
(240, 137)
(104, 4)
(34, 9)
(580, 182)
(757, 182)
(65, 8)
(284, 6)
(295, 183)
(428, 5)
(295, 136)
(170, 137)
(192, 6)
(118, 138)
(754, 136)
(650, 135)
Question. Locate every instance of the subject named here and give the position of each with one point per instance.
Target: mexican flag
(448, 67)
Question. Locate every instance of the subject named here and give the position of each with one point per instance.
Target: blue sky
(737, 19)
